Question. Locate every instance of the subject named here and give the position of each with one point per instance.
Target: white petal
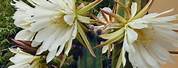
(62, 37)
(170, 10)
(154, 15)
(160, 52)
(133, 9)
(148, 58)
(84, 19)
(129, 39)
(136, 59)
(131, 35)
(138, 24)
(39, 13)
(38, 25)
(50, 56)
(69, 19)
(46, 44)
(70, 3)
(63, 42)
(45, 33)
(150, 15)
(45, 4)
(21, 5)
(21, 58)
(35, 43)
(170, 26)
(21, 19)
(60, 49)
(104, 49)
(107, 9)
(165, 19)
(24, 35)
(20, 65)
(60, 3)
(74, 32)
(69, 46)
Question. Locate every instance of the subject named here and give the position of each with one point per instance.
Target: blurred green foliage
(7, 30)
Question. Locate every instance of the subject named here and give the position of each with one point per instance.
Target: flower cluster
(53, 25)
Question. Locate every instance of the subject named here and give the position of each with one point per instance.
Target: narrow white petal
(20, 5)
(25, 35)
(165, 19)
(60, 49)
(131, 35)
(170, 10)
(69, 46)
(46, 44)
(150, 15)
(63, 37)
(129, 38)
(50, 56)
(60, 3)
(35, 43)
(45, 4)
(138, 24)
(74, 32)
(39, 13)
(45, 33)
(148, 58)
(160, 52)
(136, 59)
(133, 9)
(70, 3)
(104, 49)
(20, 65)
(21, 58)
(40, 24)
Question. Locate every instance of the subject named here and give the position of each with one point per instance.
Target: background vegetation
(7, 30)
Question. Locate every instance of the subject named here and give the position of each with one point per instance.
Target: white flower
(149, 38)
(50, 23)
(25, 60)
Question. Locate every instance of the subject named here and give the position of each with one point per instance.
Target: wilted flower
(25, 60)
(53, 24)
(107, 23)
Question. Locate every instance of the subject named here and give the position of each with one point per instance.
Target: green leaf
(84, 38)
(113, 37)
(121, 60)
(89, 6)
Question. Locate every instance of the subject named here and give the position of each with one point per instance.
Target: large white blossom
(25, 60)
(49, 23)
(149, 38)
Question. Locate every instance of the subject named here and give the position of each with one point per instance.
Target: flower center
(145, 36)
